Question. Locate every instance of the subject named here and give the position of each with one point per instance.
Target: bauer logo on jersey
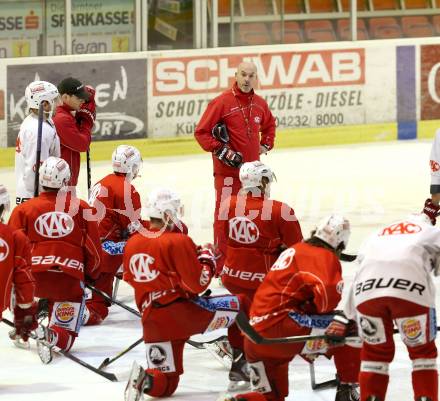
(284, 260)
(4, 250)
(140, 268)
(64, 312)
(257, 119)
(243, 230)
(54, 225)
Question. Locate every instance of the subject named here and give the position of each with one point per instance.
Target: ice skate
(239, 373)
(347, 392)
(46, 339)
(220, 350)
(138, 383)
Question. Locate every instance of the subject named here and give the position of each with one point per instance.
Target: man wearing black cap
(75, 129)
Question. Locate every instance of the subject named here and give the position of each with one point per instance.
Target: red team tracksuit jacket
(256, 229)
(307, 281)
(246, 115)
(15, 261)
(65, 247)
(75, 137)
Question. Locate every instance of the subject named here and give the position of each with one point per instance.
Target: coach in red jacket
(251, 128)
(74, 120)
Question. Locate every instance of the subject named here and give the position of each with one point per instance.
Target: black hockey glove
(229, 157)
(220, 132)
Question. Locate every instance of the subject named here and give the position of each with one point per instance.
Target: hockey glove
(338, 329)
(25, 320)
(88, 110)
(220, 132)
(229, 157)
(431, 210)
(207, 255)
(264, 149)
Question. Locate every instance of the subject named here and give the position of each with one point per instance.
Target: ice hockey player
(15, 275)
(167, 272)
(26, 144)
(394, 284)
(298, 297)
(66, 251)
(257, 228)
(75, 130)
(118, 207)
(431, 207)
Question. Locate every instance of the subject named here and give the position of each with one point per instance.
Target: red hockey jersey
(163, 267)
(117, 204)
(256, 229)
(15, 260)
(63, 236)
(305, 279)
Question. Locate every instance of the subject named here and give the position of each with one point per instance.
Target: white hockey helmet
(162, 201)
(38, 91)
(334, 230)
(4, 199)
(54, 172)
(252, 173)
(127, 159)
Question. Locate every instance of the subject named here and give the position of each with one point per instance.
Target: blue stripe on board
(406, 92)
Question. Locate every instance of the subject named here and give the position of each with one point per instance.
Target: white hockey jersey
(26, 152)
(434, 160)
(397, 261)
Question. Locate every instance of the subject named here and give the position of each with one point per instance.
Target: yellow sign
(21, 49)
(120, 44)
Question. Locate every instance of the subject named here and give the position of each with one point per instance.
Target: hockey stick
(108, 361)
(322, 385)
(68, 355)
(89, 173)
(38, 155)
(113, 301)
(244, 325)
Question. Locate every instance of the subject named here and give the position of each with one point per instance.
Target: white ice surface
(371, 183)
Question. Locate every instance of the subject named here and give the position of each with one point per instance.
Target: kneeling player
(167, 272)
(16, 276)
(118, 207)
(298, 297)
(65, 250)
